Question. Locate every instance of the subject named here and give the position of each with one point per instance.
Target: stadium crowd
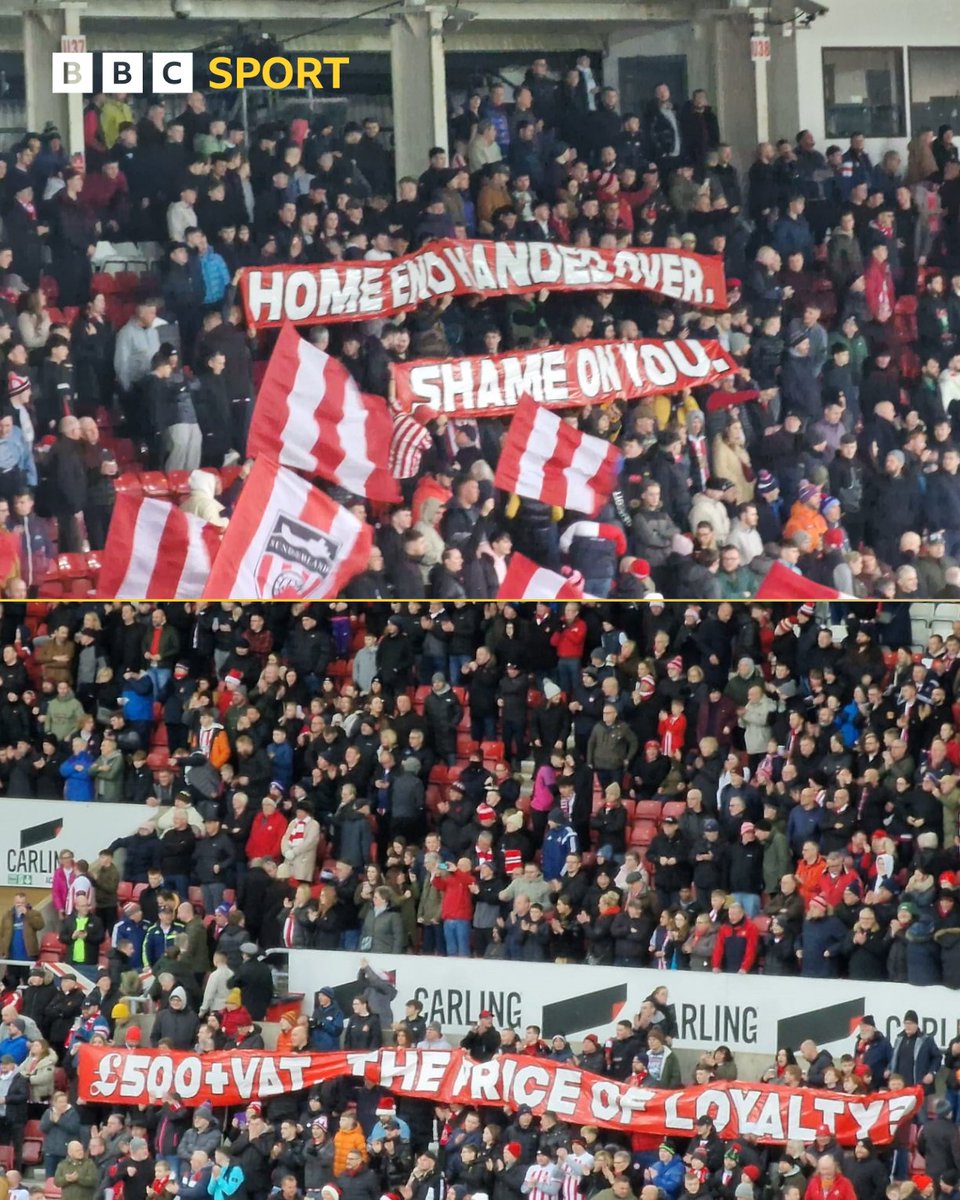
(707, 788)
(832, 449)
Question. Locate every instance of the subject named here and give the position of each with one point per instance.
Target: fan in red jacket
(457, 903)
(737, 943)
(828, 1183)
(266, 832)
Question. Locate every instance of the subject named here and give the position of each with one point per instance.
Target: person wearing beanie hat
(915, 1055)
(805, 517)
(668, 1171)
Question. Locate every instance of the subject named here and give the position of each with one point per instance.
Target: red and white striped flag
(546, 459)
(287, 540)
(524, 580)
(311, 415)
(410, 441)
(156, 551)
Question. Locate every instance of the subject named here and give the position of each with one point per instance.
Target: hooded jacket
(201, 502)
(326, 1024)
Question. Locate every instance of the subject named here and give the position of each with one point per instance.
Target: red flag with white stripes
(311, 415)
(524, 580)
(156, 551)
(287, 540)
(546, 459)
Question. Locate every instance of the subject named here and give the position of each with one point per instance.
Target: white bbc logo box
(73, 72)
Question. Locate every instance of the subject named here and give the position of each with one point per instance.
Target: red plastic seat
(674, 808)
(179, 482)
(128, 283)
(155, 484)
(649, 810)
(104, 283)
(643, 833)
(129, 484)
(68, 566)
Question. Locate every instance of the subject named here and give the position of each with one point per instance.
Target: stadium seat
(128, 484)
(643, 833)
(155, 484)
(124, 891)
(649, 810)
(674, 808)
(179, 482)
(103, 283)
(32, 1144)
(7, 1160)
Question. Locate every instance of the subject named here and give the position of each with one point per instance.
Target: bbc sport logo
(173, 73)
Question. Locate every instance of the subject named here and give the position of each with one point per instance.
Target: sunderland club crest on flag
(287, 540)
(294, 558)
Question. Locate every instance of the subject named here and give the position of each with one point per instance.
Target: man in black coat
(67, 475)
(255, 981)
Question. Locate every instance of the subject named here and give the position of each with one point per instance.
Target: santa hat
(330, 1191)
(640, 568)
(233, 679)
(387, 1107)
(514, 1149)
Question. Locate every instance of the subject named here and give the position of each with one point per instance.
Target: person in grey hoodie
(178, 1022)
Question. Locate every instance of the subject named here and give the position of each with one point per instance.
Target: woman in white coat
(299, 845)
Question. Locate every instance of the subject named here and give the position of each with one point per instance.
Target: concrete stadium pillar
(43, 29)
(419, 83)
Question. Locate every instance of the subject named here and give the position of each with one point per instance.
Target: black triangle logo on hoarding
(37, 834)
(831, 1024)
(581, 1013)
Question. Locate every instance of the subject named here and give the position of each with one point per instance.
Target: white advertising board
(750, 1014)
(33, 832)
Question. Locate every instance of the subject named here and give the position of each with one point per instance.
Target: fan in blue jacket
(76, 771)
(326, 1023)
(559, 841)
(667, 1172)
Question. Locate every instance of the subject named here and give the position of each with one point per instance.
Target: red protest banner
(233, 1078)
(358, 291)
(596, 372)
